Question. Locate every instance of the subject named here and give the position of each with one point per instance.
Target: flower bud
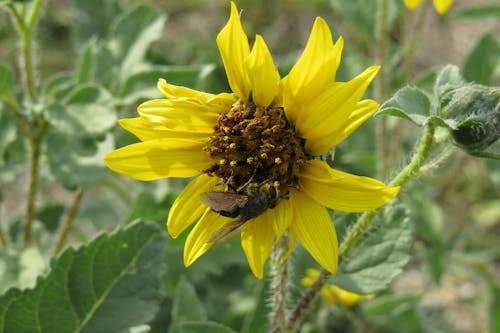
(476, 111)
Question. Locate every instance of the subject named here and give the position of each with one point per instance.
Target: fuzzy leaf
(76, 161)
(447, 79)
(186, 306)
(132, 34)
(109, 285)
(478, 12)
(87, 111)
(376, 259)
(410, 103)
(482, 62)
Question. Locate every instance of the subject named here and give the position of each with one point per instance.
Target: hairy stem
(379, 85)
(35, 146)
(68, 222)
(279, 285)
(412, 170)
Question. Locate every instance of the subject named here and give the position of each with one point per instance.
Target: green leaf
(92, 18)
(482, 62)
(186, 306)
(109, 285)
(390, 304)
(395, 313)
(197, 327)
(60, 85)
(410, 103)
(447, 79)
(257, 320)
(132, 34)
(88, 111)
(8, 133)
(480, 12)
(6, 79)
(376, 259)
(85, 71)
(76, 161)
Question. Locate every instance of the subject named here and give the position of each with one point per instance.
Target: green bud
(476, 111)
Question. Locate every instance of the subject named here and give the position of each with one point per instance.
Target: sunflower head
(253, 151)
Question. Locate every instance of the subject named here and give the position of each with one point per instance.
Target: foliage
(86, 250)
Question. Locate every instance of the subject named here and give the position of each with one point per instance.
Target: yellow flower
(257, 146)
(333, 294)
(441, 6)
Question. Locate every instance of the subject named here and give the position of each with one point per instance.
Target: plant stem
(68, 222)
(3, 239)
(412, 170)
(279, 285)
(412, 43)
(35, 145)
(379, 85)
(25, 29)
(11, 102)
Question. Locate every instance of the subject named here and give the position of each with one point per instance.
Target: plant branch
(411, 171)
(35, 145)
(68, 222)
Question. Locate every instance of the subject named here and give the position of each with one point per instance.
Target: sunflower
(332, 293)
(257, 146)
(441, 6)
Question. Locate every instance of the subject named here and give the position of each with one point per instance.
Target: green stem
(11, 102)
(68, 222)
(35, 146)
(279, 285)
(25, 30)
(379, 85)
(412, 170)
(3, 239)
(412, 43)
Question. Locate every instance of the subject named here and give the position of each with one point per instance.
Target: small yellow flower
(333, 294)
(441, 6)
(261, 138)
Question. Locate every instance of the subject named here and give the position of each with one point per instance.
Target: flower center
(252, 145)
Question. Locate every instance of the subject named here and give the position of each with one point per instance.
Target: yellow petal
(313, 72)
(442, 6)
(234, 50)
(156, 159)
(257, 238)
(183, 116)
(334, 106)
(148, 129)
(342, 128)
(263, 75)
(209, 102)
(343, 191)
(412, 4)
(280, 217)
(197, 241)
(187, 208)
(314, 229)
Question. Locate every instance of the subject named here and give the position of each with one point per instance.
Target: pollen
(255, 145)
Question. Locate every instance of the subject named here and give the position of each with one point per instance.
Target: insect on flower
(243, 205)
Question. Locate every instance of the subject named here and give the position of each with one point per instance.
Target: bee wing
(223, 231)
(224, 201)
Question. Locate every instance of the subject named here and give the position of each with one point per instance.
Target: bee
(242, 205)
